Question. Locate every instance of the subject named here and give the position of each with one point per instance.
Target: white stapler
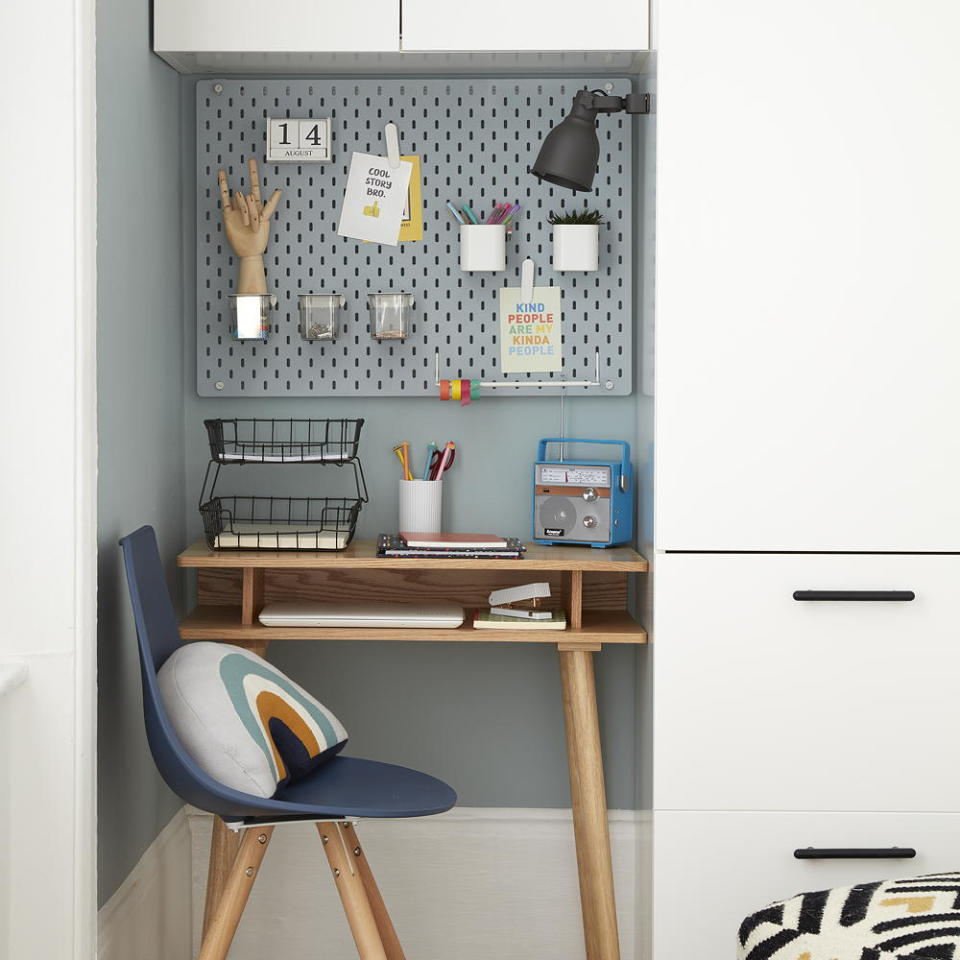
(524, 602)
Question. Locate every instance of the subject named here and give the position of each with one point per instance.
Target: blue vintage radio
(582, 501)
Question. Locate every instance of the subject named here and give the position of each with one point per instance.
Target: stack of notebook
(463, 546)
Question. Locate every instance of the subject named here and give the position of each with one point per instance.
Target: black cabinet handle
(855, 853)
(901, 595)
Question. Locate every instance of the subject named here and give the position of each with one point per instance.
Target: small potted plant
(576, 239)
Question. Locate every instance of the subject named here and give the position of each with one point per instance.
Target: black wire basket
(258, 440)
(280, 523)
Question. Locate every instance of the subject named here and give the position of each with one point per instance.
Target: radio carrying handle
(625, 469)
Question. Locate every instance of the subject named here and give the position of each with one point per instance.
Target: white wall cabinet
(322, 37)
(531, 25)
(714, 869)
(764, 702)
(287, 26)
(808, 307)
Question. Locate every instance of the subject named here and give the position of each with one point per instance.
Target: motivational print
(530, 330)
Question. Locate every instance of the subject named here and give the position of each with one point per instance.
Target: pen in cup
(402, 451)
(431, 450)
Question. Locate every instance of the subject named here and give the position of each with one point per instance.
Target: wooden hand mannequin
(247, 223)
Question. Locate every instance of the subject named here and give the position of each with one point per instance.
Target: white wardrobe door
(808, 307)
(712, 870)
(766, 702)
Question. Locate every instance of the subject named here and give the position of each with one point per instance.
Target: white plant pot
(483, 246)
(576, 246)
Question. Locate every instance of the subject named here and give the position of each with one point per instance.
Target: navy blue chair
(343, 787)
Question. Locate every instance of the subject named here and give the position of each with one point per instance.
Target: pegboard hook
(392, 137)
(526, 280)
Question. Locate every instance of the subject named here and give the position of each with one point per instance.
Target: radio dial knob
(589, 522)
(589, 494)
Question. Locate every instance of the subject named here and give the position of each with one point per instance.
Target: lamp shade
(570, 151)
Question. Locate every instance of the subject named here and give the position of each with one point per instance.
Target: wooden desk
(234, 585)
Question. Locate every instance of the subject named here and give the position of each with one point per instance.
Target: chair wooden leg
(236, 890)
(391, 942)
(224, 844)
(353, 894)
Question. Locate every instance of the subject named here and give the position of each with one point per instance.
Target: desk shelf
(233, 587)
(215, 622)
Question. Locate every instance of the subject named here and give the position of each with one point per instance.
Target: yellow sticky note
(411, 225)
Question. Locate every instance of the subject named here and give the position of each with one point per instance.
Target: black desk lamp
(569, 154)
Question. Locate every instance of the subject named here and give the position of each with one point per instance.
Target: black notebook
(390, 545)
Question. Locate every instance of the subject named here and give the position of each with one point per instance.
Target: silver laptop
(425, 614)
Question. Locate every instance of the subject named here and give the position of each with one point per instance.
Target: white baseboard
(473, 883)
(150, 915)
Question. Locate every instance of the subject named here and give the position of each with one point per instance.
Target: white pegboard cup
(421, 506)
(250, 316)
(391, 315)
(576, 246)
(483, 246)
(320, 315)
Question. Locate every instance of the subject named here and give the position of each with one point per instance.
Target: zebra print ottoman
(913, 919)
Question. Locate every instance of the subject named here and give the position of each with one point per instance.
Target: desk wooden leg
(589, 799)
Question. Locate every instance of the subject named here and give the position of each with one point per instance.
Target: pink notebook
(455, 541)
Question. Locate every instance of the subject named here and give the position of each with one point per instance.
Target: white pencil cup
(421, 503)
(576, 246)
(483, 246)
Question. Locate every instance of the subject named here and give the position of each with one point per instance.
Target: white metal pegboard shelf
(476, 139)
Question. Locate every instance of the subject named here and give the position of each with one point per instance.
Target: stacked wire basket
(245, 522)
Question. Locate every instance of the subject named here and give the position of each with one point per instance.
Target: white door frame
(85, 426)
(48, 463)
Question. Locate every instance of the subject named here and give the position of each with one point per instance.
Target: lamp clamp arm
(631, 103)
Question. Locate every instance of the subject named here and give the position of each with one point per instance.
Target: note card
(530, 331)
(374, 201)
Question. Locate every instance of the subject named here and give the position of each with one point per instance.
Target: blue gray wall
(141, 390)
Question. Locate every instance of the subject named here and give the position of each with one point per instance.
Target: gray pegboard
(476, 139)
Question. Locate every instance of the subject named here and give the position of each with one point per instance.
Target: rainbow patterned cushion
(244, 722)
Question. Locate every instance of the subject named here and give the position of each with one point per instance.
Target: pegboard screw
(219, 385)
(608, 385)
(218, 88)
